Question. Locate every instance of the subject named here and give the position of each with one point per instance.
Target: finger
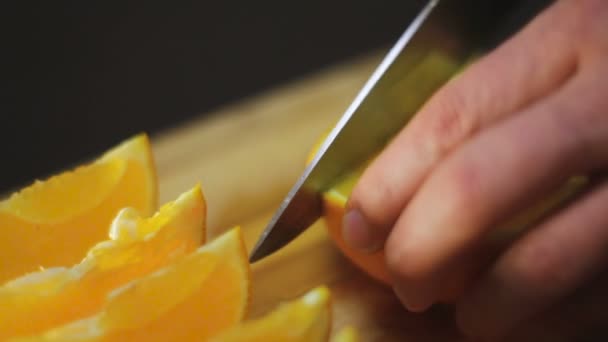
(491, 177)
(580, 317)
(542, 268)
(506, 80)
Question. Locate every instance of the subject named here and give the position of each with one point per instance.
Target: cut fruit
(307, 319)
(334, 203)
(42, 300)
(192, 299)
(348, 334)
(55, 222)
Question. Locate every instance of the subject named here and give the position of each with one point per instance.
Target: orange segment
(334, 204)
(190, 300)
(55, 222)
(39, 301)
(307, 319)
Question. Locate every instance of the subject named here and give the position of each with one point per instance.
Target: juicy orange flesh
(192, 299)
(307, 319)
(37, 231)
(49, 298)
(185, 322)
(45, 202)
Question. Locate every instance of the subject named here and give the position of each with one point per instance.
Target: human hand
(514, 125)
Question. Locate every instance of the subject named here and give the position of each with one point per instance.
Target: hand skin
(513, 125)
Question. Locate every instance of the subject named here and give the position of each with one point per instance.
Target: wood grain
(246, 157)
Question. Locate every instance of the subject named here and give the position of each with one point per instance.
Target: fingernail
(358, 233)
(413, 303)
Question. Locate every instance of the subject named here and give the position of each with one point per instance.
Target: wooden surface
(246, 158)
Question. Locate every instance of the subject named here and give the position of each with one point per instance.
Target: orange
(39, 301)
(192, 299)
(55, 222)
(307, 319)
(334, 202)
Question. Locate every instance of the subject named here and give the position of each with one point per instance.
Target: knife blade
(439, 39)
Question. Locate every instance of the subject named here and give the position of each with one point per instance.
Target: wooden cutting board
(246, 157)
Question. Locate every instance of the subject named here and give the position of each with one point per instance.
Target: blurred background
(83, 75)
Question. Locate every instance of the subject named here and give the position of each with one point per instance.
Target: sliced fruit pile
(44, 299)
(83, 257)
(54, 223)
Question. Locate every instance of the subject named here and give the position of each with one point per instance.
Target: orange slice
(39, 301)
(307, 319)
(334, 202)
(190, 300)
(55, 222)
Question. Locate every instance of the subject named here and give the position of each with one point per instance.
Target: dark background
(80, 76)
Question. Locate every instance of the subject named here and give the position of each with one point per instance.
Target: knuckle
(449, 122)
(445, 122)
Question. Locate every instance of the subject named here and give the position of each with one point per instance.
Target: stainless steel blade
(441, 37)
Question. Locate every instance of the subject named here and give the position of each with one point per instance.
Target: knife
(440, 38)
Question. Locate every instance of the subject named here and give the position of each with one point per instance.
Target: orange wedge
(55, 222)
(307, 319)
(39, 301)
(192, 299)
(334, 202)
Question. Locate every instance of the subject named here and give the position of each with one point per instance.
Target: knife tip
(255, 255)
(294, 216)
(259, 250)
